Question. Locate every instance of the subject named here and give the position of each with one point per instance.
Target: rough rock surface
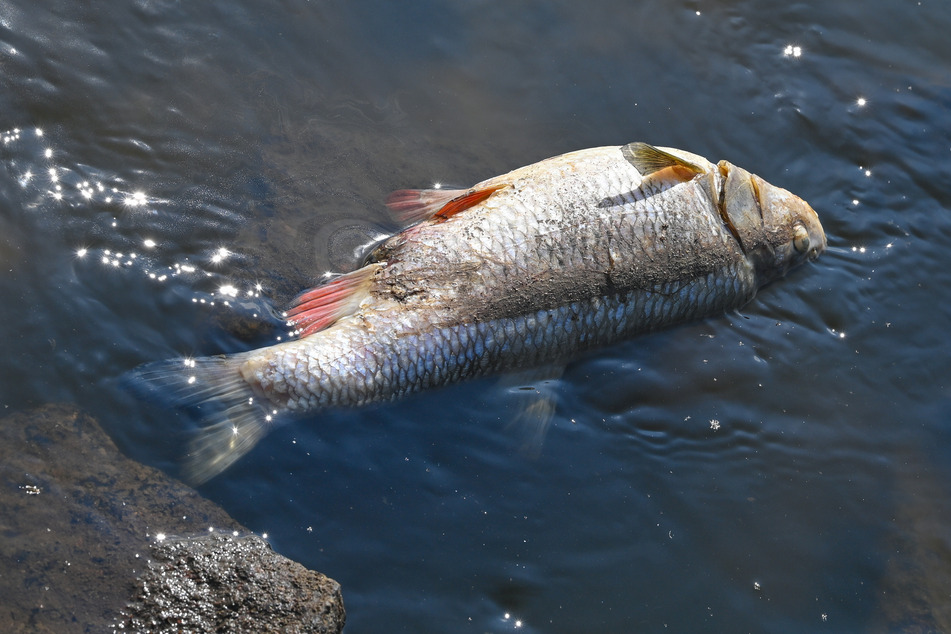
(78, 521)
(220, 583)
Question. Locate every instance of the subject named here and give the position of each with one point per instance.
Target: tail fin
(234, 420)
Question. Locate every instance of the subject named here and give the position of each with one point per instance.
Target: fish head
(776, 229)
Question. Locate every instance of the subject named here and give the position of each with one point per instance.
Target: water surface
(171, 172)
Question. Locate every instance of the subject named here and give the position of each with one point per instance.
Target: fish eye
(800, 239)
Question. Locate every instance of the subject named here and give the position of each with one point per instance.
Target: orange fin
(657, 167)
(423, 204)
(321, 306)
(413, 205)
(470, 199)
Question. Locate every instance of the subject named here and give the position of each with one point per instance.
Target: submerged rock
(80, 522)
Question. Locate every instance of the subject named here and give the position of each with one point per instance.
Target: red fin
(470, 199)
(413, 205)
(321, 306)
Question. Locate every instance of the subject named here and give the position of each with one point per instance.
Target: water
(784, 469)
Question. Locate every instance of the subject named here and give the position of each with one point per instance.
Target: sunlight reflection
(516, 623)
(43, 172)
(136, 199)
(792, 50)
(10, 137)
(220, 255)
(228, 290)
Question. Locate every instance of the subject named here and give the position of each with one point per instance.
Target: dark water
(819, 500)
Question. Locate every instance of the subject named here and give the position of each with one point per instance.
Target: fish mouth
(817, 236)
(794, 219)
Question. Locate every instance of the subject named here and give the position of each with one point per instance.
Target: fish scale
(393, 369)
(524, 269)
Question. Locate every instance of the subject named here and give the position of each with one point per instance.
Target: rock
(78, 523)
(220, 583)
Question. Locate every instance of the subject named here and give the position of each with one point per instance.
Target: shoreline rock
(225, 583)
(80, 525)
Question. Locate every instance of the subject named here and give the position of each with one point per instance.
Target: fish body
(571, 253)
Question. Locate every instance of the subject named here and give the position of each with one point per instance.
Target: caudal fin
(233, 418)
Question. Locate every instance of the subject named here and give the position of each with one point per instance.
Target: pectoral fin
(658, 168)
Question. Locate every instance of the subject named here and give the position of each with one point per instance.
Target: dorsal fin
(657, 166)
(423, 204)
(322, 305)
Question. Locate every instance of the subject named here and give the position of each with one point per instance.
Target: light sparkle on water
(792, 50)
(136, 199)
(47, 173)
(516, 622)
(220, 255)
(229, 290)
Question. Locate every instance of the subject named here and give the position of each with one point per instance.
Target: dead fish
(574, 252)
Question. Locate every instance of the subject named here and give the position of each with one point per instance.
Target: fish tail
(233, 418)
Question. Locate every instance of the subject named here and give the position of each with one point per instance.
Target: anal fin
(321, 306)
